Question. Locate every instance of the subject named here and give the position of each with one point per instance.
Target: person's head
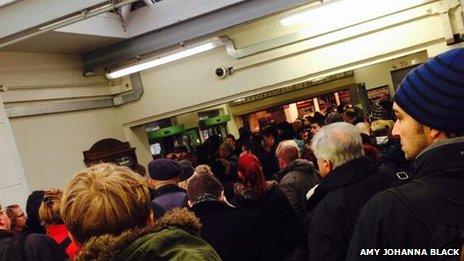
(203, 169)
(17, 217)
(287, 152)
(163, 172)
(269, 135)
(297, 125)
(382, 127)
(250, 173)
(336, 144)
(364, 128)
(204, 185)
(32, 209)
(333, 117)
(428, 103)
(5, 223)
(350, 115)
(105, 199)
(230, 139)
(49, 210)
(316, 123)
(225, 150)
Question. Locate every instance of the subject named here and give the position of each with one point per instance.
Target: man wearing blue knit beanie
(425, 218)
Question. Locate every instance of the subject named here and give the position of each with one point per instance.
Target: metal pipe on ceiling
(40, 109)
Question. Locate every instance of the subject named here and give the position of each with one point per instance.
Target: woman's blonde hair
(105, 199)
(380, 126)
(49, 210)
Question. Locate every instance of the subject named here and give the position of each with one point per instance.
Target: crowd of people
(330, 187)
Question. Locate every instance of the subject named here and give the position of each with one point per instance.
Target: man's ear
(190, 203)
(327, 166)
(434, 135)
(151, 220)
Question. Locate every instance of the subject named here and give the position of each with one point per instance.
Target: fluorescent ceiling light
(345, 11)
(166, 59)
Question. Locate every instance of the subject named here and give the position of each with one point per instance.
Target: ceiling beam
(204, 25)
(24, 15)
(144, 20)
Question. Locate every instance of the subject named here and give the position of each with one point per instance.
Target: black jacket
(334, 207)
(231, 232)
(295, 180)
(392, 158)
(166, 198)
(269, 161)
(29, 247)
(412, 216)
(278, 224)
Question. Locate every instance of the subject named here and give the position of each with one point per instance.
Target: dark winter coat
(278, 224)
(334, 207)
(29, 247)
(392, 158)
(173, 238)
(269, 161)
(168, 197)
(295, 180)
(426, 213)
(231, 232)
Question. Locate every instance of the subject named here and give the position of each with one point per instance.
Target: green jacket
(167, 241)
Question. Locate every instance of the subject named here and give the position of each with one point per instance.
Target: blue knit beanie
(433, 93)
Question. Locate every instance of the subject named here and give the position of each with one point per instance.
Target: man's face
(314, 128)
(231, 142)
(268, 140)
(20, 218)
(411, 133)
(5, 223)
(223, 152)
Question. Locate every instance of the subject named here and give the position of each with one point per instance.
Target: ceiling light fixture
(144, 65)
(346, 12)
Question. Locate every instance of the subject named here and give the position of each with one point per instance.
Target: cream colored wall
(379, 74)
(50, 146)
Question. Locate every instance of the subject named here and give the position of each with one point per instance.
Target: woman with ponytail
(50, 217)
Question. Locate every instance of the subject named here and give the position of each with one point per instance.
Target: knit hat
(433, 93)
(164, 169)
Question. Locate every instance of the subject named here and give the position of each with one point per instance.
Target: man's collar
(440, 143)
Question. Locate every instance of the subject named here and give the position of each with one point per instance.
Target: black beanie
(164, 169)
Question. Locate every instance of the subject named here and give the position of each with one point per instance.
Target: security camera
(221, 72)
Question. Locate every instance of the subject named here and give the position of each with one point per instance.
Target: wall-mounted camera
(222, 72)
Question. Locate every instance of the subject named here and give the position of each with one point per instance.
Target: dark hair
(230, 136)
(270, 131)
(318, 119)
(32, 209)
(333, 117)
(201, 184)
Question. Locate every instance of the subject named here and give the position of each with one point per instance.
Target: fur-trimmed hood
(118, 247)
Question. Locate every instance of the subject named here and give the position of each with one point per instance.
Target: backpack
(446, 228)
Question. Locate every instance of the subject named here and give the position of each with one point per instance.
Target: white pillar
(13, 185)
